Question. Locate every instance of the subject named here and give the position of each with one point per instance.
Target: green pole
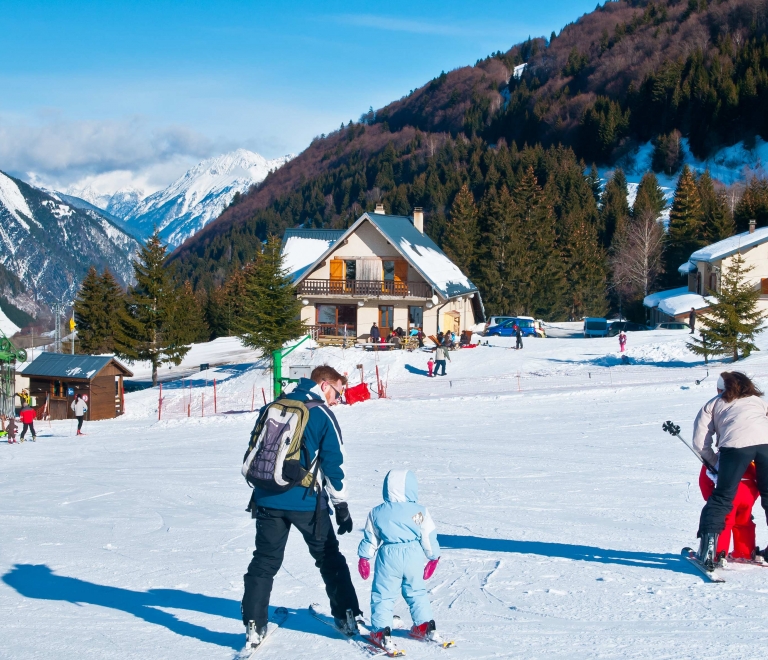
(277, 372)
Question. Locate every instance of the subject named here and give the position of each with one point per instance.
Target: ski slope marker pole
(673, 429)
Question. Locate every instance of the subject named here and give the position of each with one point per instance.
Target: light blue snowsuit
(403, 532)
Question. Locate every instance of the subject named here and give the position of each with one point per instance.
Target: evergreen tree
(189, 315)
(717, 222)
(614, 209)
(649, 198)
(731, 324)
(585, 265)
(97, 310)
(149, 328)
(685, 224)
(461, 234)
(271, 311)
(753, 205)
(593, 180)
(501, 259)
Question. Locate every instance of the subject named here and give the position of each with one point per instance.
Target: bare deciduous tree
(636, 259)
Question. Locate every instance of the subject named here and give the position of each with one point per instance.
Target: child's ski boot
(383, 639)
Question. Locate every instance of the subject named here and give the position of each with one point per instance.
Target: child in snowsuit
(403, 533)
(739, 521)
(622, 341)
(430, 366)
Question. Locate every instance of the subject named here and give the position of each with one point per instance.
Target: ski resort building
(54, 379)
(704, 271)
(383, 269)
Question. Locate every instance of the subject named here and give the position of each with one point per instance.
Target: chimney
(380, 209)
(418, 219)
(752, 224)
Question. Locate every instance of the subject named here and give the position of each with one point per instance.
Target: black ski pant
(272, 527)
(519, 342)
(30, 427)
(79, 423)
(438, 365)
(733, 464)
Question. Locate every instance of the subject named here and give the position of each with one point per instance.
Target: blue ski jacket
(400, 519)
(322, 439)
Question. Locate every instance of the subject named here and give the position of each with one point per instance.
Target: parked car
(627, 326)
(595, 327)
(673, 325)
(507, 328)
(497, 320)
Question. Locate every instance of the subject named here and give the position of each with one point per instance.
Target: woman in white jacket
(738, 415)
(79, 408)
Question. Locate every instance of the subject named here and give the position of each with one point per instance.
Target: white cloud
(58, 153)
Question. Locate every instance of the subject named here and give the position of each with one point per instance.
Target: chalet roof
(677, 301)
(83, 367)
(418, 249)
(302, 247)
(730, 246)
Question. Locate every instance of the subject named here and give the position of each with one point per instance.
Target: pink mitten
(364, 568)
(429, 569)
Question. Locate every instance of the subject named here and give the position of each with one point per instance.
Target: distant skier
(692, 319)
(738, 416)
(79, 407)
(27, 415)
(400, 532)
(739, 521)
(430, 366)
(622, 341)
(441, 355)
(518, 336)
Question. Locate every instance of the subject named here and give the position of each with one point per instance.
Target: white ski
(690, 555)
(275, 621)
(359, 641)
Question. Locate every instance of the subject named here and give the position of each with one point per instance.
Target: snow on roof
(687, 267)
(677, 301)
(730, 246)
(302, 247)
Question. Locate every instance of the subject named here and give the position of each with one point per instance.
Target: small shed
(56, 378)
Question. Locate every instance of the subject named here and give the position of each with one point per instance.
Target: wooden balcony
(364, 288)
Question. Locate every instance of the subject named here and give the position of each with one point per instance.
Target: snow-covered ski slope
(561, 510)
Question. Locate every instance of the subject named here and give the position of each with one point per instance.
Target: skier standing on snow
(738, 415)
(441, 355)
(400, 532)
(305, 509)
(79, 407)
(692, 319)
(27, 415)
(518, 337)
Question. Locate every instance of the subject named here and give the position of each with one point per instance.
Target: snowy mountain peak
(198, 196)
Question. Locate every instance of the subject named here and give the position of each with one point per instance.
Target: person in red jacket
(739, 521)
(27, 417)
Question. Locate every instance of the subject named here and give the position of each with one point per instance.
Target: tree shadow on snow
(38, 581)
(577, 552)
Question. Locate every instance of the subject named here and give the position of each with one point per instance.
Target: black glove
(343, 519)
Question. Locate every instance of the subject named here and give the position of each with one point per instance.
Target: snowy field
(561, 507)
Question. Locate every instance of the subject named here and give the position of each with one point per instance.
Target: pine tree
(189, 315)
(461, 234)
(717, 222)
(97, 312)
(614, 209)
(585, 265)
(685, 224)
(149, 329)
(731, 324)
(500, 259)
(593, 180)
(753, 205)
(271, 311)
(649, 198)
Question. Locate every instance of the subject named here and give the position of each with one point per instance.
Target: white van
(595, 327)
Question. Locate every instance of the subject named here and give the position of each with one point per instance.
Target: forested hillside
(621, 75)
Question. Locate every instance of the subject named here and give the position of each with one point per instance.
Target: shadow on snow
(577, 552)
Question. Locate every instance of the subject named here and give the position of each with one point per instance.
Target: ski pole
(673, 429)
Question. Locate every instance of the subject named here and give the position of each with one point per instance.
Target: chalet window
(389, 270)
(350, 268)
(326, 314)
(416, 317)
(59, 389)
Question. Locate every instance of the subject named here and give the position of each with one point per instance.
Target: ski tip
(686, 551)
(448, 645)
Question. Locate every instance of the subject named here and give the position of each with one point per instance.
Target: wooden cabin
(56, 379)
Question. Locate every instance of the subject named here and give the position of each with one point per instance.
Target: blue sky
(119, 92)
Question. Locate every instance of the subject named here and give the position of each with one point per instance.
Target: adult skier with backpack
(295, 463)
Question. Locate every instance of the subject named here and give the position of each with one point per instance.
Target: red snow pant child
(739, 521)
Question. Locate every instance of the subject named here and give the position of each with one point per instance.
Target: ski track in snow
(561, 513)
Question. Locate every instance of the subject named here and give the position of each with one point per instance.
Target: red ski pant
(739, 521)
